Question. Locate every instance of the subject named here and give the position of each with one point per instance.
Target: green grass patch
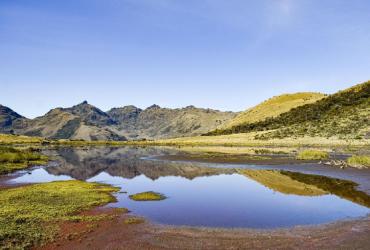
(147, 196)
(312, 155)
(12, 159)
(29, 215)
(359, 161)
(133, 220)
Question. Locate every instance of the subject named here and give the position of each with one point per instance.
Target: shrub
(312, 155)
(359, 161)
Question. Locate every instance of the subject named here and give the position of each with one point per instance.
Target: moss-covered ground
(29, 215)
(147, 196)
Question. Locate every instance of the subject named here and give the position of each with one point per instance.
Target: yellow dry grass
(274, 107)
(248, 139)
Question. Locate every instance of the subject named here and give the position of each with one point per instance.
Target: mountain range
(345, 114)
(85, 121)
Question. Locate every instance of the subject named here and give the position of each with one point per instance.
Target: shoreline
(115, 234)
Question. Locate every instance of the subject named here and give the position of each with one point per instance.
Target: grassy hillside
(274, 107)
(345, 114)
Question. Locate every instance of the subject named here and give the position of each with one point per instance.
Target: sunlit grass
(312, 155)
(147, 196)
(29, 214)
(12, 159)
(358, 161)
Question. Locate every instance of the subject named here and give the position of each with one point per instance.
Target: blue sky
(227, 55)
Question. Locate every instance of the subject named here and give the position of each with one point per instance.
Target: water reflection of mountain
(129, 162)
(124, 162)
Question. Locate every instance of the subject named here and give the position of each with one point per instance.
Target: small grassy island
(148, 196)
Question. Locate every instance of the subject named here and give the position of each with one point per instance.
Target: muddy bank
(115, 234)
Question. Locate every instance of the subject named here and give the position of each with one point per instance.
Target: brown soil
(115, 234)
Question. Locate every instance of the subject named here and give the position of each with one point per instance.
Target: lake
(210, 195)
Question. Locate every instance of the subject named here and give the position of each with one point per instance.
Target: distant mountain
(156, 122)
(9, 119)
(345, 114)
(90, 115)
(84, 121)
(274, 107)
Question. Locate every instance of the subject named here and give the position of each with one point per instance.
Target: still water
(200, 195)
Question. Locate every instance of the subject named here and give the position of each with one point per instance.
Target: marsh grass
(18, 139)
(359, 161)
(133, 220)
(147, 196)
(12, 159)
(312, 155)
(29, 215)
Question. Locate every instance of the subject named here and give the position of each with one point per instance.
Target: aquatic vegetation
(279, 182)
(29, 215)
(358, 161)
(12, 159)
(147, 196)
(13, 139)
(134, 220)
(312, 155)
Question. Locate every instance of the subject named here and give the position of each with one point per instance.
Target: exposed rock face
(156, 122)
(84, 121)
(90, 114)
(9, 119)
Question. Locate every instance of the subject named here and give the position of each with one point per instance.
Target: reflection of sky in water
(219, 201)
(39, 175)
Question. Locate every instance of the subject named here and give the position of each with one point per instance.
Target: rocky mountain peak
(154, 106)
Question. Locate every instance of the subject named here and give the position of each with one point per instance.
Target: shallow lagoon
(198, 195)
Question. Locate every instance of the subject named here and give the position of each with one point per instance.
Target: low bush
(312, 155)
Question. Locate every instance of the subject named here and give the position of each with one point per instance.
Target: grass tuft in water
(312, 155)
(358, 161)
(134, 220)
(147, 196)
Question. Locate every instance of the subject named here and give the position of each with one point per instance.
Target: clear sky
(222, 54)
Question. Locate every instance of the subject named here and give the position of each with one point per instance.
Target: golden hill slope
(274, 107)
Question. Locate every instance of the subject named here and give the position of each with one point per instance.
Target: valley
(293, 168)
